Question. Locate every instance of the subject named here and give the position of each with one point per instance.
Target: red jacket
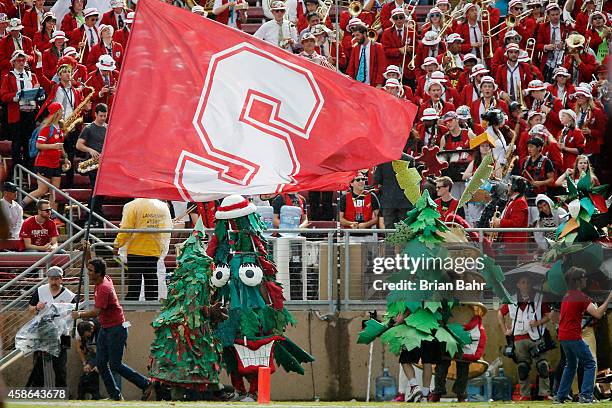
(332, 50)
(29, 20)
(476, 111)
(544, 39)
(41, 41)
(69, 23)
(96, 81)
(76, 36)
(7, 47)
(499, 58)
(122, 36)
(586, 68)
(596, 122)
(422, 53)
(378, 63)
(521, 28)
(223, 17)
(385, 14)
(501, 79)
(98, 50)
(302, 23)
(466, 97)
(572, 138)
(552, 122)
(392, 43)
(569, 89)
(49, 62)
(515, 215)
(464, 31)
(434, 139)
(109, 18)
(51, 89)
(7, 93)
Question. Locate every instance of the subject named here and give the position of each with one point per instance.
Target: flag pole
(337, 35)
(83, 261)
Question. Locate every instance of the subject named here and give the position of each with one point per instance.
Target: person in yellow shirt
(144, 249)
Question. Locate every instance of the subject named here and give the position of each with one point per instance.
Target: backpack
(34, 138)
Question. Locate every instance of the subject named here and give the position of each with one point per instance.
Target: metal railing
(20, 171)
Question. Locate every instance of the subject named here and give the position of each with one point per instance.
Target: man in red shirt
(528, 316)
(38, 232)
(447, 204)
(575, 303)
(113, 333)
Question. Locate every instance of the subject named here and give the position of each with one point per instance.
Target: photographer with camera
(527, 338)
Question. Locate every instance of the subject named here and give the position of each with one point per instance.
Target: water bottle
(488, 395)
(502, 388)
(386, 389)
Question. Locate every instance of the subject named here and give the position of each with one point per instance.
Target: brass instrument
(510, 21)
(510, 156)
(75, 117)
(209, 5)
(409, 24)
(82, 50)
(375, 28)
(521, 98)
(445, 27)
(323, 9)
(496, 214)
(485, 15)
(242, 5)
(88, 165)
(354, 8)
(530, 47)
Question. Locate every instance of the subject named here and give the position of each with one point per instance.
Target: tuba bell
(354, 8)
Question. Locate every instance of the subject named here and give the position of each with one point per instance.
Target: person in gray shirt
(91, 142)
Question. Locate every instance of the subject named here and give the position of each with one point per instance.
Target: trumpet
(510, 22)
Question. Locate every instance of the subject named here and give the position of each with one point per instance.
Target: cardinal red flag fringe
(203, 110)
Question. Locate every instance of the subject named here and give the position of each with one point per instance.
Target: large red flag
(204, 110)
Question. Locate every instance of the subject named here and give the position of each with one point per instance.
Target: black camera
(509, 349)
(493, 117)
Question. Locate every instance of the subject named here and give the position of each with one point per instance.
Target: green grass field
(294, 404)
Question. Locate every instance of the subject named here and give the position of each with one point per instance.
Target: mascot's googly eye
(250, 274)
(220, 276)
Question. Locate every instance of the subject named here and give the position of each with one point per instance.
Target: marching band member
(326, 46)
(469, 61)
(393, 88)
(430, 46)
(104, 81)
(75, 17)
(435, 89)
(116, 17)
(387, 10)
(13, 42)
(543, 101)
(533, 118)
(538, 170)
(583, 15)
(311, 7)
(106, 46)
(535, 18)
(590, 120)
(561, 88)
(601, 86)
(532, 71)
(452, 57)
(428, 67)
(41, 39)
(515, 119)
(86, 36)
(464, 116)
(367, 62)
(449, 94)
(21, 113)
(3, 25)
(488, 99)
(366, 17)
(308, 44)
(53, 53)
(579, 63)
(515, 214)
(550, 41)
(515, 9)
(278, 31)
(499, 56)
(393, 72)
(121, 36)
(225, 13)
(513, 77)
(571, 140)
(470, 30)
(494, 14)
(197, 9)
(312, 18)
(599, 36)
(433, 23)
(396, 41)
(429, 130)
(79, 71)
(32, 19)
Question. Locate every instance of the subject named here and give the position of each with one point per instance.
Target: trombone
(409, 24)
(510, 22)
(484, 15)
(530, 47)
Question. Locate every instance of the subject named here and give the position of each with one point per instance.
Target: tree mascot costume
(184, 352)
(245, 281)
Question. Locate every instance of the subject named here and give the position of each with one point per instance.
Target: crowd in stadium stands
(532, 88)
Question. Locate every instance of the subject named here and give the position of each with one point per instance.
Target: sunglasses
(278, 11)
(439, 187)
(517, 8)
(436, 15)
(360, 179)
(398, 18)
(598, 18)
(46, 210)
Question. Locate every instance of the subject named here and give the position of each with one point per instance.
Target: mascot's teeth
(260, 357)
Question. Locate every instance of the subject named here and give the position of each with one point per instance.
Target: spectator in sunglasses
(39, 232)
(358, 207)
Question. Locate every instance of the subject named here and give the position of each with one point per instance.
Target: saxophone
(75, 117)
(88, 165)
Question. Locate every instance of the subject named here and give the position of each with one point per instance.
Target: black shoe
(148, 392)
